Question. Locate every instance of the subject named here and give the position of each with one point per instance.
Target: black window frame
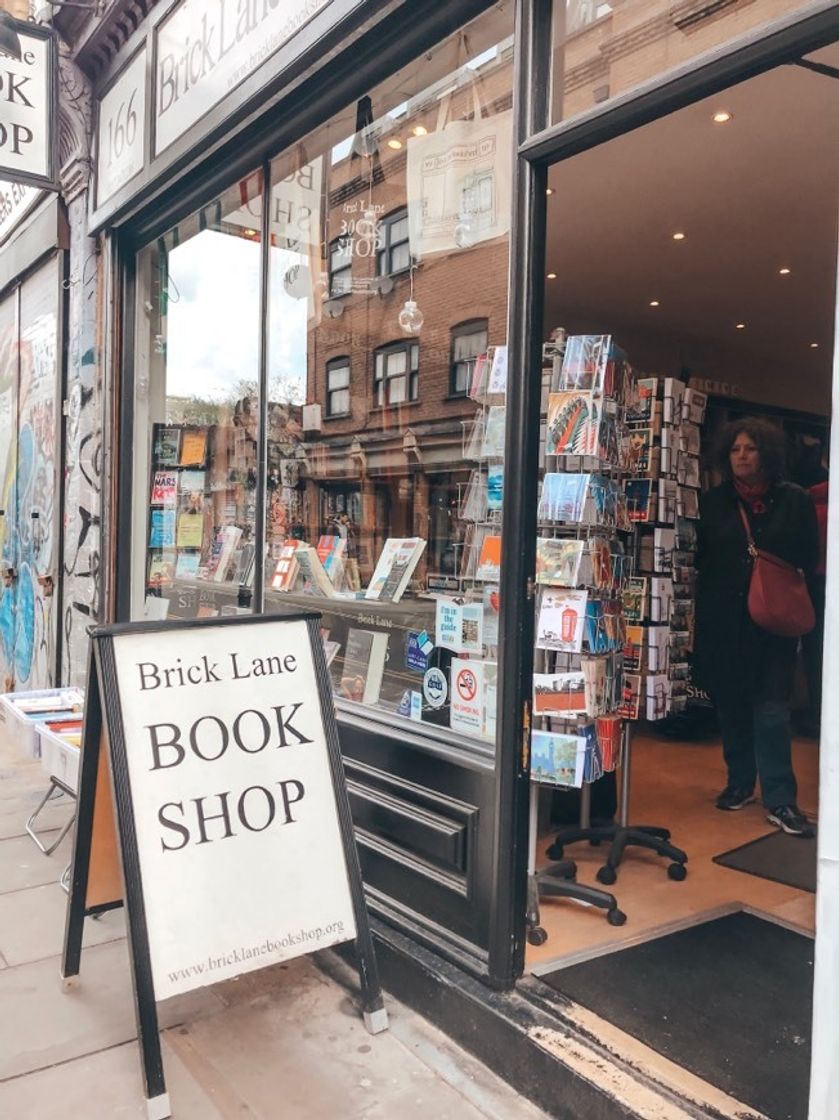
(342, 243)
(385, 244)
(406, 346)
(332, 366)
(462, 330)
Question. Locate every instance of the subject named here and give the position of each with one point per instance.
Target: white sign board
(207, 47)
(27, 101)
(121, 133)
(238, 837)
(15, 200)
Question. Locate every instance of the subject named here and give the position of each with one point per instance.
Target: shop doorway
(705, 246)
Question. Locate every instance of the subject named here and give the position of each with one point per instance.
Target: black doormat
(783, 859)
(728, 999)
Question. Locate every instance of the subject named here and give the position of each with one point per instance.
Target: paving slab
(42, 1025)
(32, 924)
(22, 865)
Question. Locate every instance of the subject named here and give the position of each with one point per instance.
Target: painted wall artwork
(30, 379)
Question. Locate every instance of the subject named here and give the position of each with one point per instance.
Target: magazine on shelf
(661, 597)
(641, 407)
(394, 568)
(286, 571)
(559, 561)
(631, 703)
(164, 490)
(573, 424)
(667, 500)
(590, 363)
(583, 499)
(364, 665)
(162, 530)
(674, 394)
(492, 445)
(634, 598)
(190, 530)
(694, 403)
(494, 487)
(633, 650)
(640, 499)
(640, 452)
(161, 569)
(230, 537)
(559, 694)
(489, 559)
(330, 550)
(475, 498)
(166, 447)
(609, 731)
(561, 620)
(687, 504)
(498, 372)
(187, 565)
(191, 485)
(193, 447)
(596, 685)
(657, 696)
(312, 572)
(557, 759)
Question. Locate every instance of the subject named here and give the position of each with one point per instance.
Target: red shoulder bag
(778, 599)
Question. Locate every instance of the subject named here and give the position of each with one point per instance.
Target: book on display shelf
(164, 491)
(312, 572)
(363, 666)
(286, 570)
(394, 568)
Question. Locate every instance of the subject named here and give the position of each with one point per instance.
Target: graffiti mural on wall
(83, 455)
(27, 630)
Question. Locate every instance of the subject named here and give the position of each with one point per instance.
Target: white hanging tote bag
(459, 179)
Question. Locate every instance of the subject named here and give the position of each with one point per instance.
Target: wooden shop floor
(674, 785)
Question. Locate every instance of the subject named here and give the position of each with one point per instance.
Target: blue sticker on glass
(415, 658)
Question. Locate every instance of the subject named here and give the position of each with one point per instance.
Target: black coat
(733, 658)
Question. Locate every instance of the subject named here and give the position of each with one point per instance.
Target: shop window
(393, 254)
(340, 266)
(396, 373)
(469, 342)
(391, 503)
(338, 387)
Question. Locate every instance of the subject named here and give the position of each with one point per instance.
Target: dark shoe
(791, 820)
(732, 798)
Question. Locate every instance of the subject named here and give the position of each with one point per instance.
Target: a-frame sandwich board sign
(212, 802)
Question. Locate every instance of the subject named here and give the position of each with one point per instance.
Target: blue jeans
(756, 743)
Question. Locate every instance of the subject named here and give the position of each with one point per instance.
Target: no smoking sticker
(466, 684)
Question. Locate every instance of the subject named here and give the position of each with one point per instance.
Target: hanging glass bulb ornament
(463, 234)
(411, 318)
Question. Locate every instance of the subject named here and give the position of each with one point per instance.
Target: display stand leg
(558, 879)
(651, 837)
(622, 835)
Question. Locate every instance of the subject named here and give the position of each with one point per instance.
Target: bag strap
(749, 538)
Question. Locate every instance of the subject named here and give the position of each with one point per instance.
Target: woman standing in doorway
(749, 672)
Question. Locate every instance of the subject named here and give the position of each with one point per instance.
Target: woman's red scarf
(752, 495)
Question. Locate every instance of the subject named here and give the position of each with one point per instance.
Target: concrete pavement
(286, 1043)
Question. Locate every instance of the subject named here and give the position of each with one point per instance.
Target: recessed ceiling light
(395, 144)
(420, 130)
(654, 303)
(740, 326)
(814, 345)
(784, 271)
(678, 237)
(552, 276)
(549, 190)
(722, 116)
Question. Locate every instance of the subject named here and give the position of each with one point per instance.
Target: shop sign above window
(207, 47)
(121, 130)
(28, 107)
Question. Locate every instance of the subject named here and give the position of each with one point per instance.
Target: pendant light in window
(411, 318)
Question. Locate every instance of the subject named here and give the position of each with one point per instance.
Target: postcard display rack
(586, 553)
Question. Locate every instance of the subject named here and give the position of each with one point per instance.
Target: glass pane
(400, 258)
(602, 49)
(397, 525)
(339, 377)
(197, 412)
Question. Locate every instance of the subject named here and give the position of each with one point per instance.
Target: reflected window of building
(375, 497)
(338, 387)
(469, 342)
(340, 266)
(396, 373)
(393, 254)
